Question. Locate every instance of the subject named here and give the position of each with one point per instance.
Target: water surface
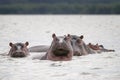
(37, 29)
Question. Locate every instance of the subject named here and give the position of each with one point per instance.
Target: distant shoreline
(60, 8)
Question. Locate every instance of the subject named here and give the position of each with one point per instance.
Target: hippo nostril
(77, 53)
(21, 54)
(61, 52)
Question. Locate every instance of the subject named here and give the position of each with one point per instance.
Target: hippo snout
(18, 54)
(61, 52)
(18, 49)
(77, 53)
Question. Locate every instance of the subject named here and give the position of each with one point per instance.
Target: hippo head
(95, 47)
(80, 40)
(77, 43)
(83, 48)
(61, 47)
(18, 49)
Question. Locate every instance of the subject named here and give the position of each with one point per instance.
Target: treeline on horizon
(59, 7)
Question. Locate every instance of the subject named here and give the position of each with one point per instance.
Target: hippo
(99, 48)
(79, 46)
(60, 49)
(76, 49)
(18, 49)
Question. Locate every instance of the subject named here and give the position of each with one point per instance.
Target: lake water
(37, 30)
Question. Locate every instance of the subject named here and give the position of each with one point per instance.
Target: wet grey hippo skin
(41, 48)
(18, 49)
(79, 46)
(60, 49)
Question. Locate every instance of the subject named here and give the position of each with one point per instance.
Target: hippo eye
(15, 47)
(65, 38)
(78, 41)
(57, 39)
(22, 46)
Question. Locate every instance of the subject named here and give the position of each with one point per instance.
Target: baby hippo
(18, 49)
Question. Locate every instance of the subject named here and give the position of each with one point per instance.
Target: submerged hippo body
(60, 49)
(79, 46)
(18, 49)
(41, 48)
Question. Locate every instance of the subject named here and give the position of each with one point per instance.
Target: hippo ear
(11, 44)
(27, 43)
(97, 44)
(81, 37)
(53, 35)
(69, 35)
(89, 44)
